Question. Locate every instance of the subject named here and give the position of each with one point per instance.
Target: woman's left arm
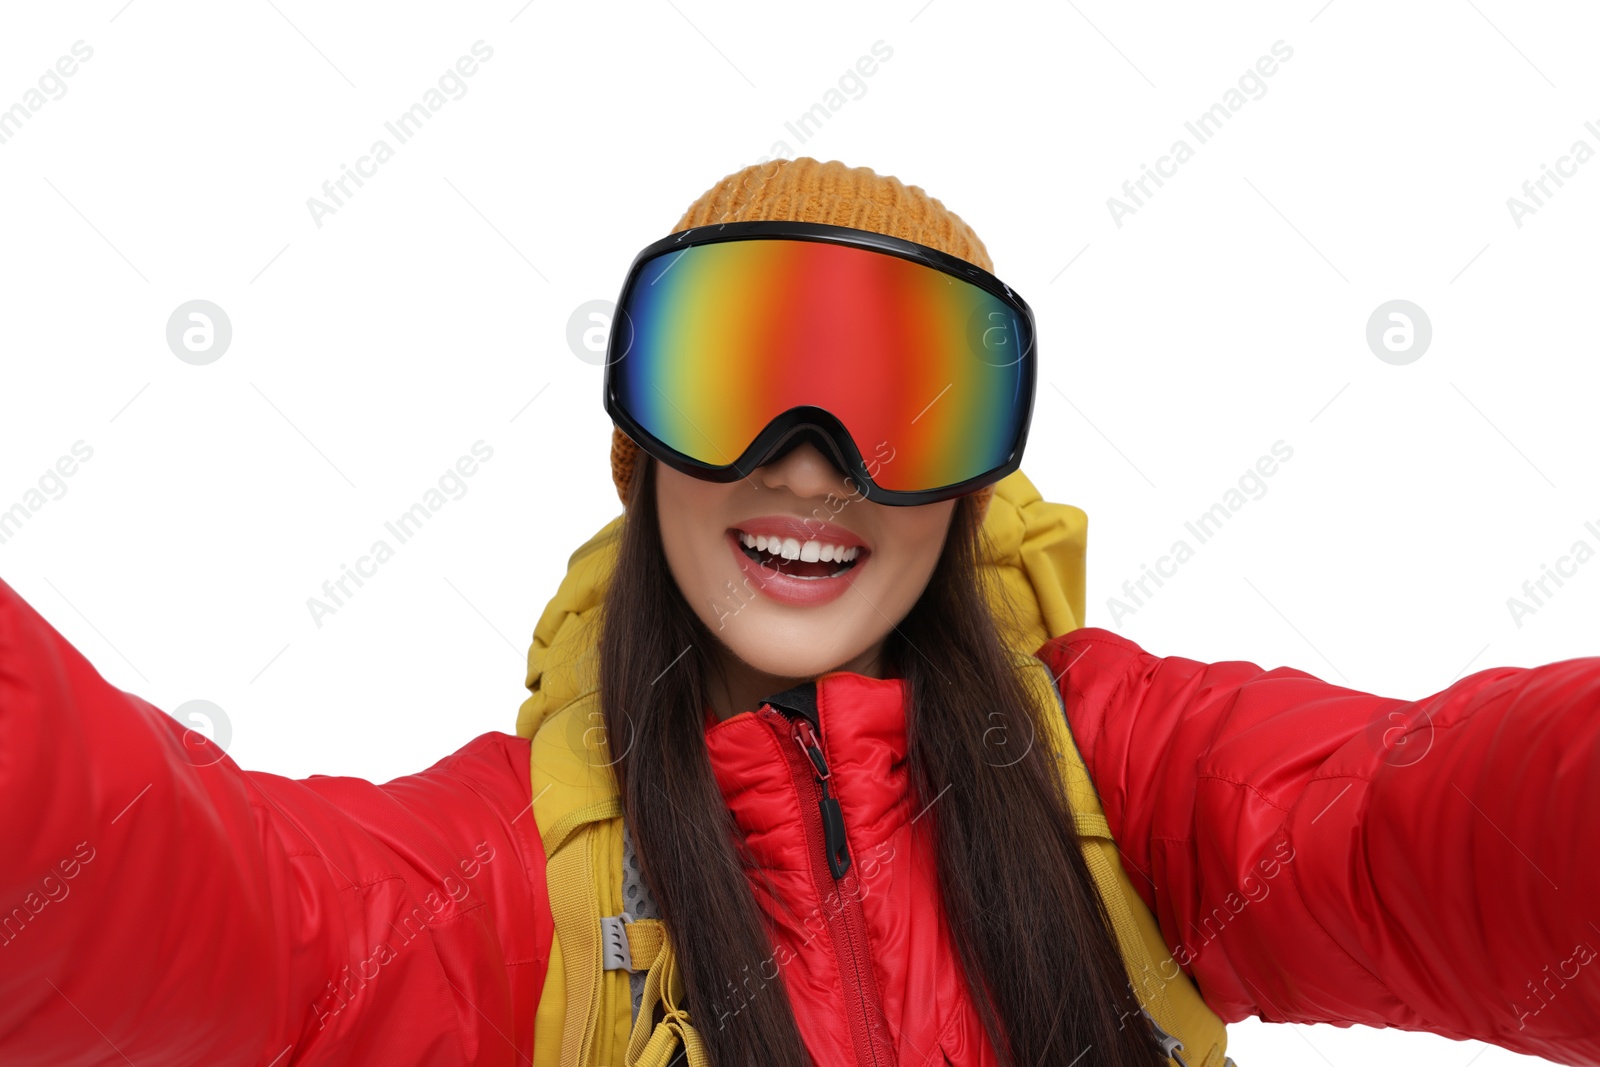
(1317, 854)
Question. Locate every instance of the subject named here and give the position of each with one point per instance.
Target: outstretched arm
(1317, 854)
(160, 905)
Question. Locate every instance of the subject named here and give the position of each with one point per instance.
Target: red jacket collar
(863, 732)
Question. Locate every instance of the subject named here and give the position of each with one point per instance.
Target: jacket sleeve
(160, 905)
(1317, 854)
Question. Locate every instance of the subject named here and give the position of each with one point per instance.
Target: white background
(431, 310)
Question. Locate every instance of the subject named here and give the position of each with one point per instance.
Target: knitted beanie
(805, 190)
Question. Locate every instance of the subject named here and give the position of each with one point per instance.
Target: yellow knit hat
(805, 190)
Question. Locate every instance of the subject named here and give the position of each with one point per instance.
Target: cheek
(909, 566)
(929, 532)
(691, 534)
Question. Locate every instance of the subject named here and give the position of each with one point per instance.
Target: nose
(805, 466)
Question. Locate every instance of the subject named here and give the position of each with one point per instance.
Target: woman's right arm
(160, 905)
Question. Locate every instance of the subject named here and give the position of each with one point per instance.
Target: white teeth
(792, 548)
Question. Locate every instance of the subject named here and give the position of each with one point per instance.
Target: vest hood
(1035, 550)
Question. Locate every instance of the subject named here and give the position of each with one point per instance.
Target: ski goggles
(911, 369)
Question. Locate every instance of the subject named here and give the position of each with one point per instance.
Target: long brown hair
(1032, 933)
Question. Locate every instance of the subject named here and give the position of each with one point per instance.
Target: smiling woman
(758, 355)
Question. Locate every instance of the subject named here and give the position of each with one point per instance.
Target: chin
(789, 656)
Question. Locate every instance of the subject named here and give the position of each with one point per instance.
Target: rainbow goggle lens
(731, 342)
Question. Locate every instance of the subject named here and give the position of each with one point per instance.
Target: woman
(800, 785)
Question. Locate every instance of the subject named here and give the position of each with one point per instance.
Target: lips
(796, 581)
(830, 560)
(805, 549)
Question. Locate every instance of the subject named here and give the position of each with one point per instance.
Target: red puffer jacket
(162, 906)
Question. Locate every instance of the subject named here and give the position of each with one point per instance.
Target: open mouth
(789, 556)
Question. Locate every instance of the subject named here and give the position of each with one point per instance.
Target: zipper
(793, 714)
(835, 848)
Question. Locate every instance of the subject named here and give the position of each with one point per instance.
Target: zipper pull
(832, 815)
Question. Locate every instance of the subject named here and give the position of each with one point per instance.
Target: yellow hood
(1038, 550)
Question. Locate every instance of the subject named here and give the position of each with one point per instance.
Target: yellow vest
(585, 1015)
